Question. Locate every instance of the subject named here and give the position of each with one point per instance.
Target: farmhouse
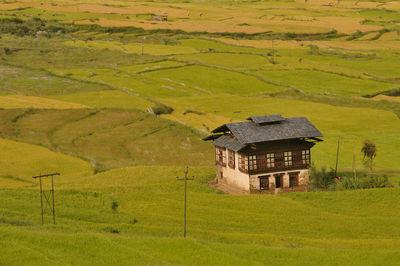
(267, 154)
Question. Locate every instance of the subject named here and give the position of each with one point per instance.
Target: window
(243, 166)
(288, 158)
(294, 179)
(264, 182)
(270, 160)
(279, 161)
(296, 158)
(305, 157)
(231, 159)
(252, 162)
(220, 156)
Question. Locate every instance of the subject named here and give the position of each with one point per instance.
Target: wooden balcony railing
(262, 167)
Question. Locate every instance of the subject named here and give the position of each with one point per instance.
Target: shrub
(111, 230)
(114, 205)
(314, 49)
(321, 178)
(160, 108)
(190, 111)
(375, 182)
(350, 183)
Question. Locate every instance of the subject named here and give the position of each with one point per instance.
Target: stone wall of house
(303, 179)
(251, 183)
(232, 176)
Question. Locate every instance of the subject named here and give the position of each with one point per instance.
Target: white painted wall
(233, 176)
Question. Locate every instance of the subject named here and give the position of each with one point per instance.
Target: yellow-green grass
(60, 15)
(230, 60)
(360, 44)
(51, 53)
(109, 98)
(345, 227)
(148, 48)
(137, 68)
(108, 138)
(140, 85)
(24, 81)
(212, 45)
(320, 82)
(353, 124)
(20, 161)
(215, 80)
(376, 63)
(20, 101)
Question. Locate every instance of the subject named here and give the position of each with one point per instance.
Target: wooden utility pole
(49, 203)
(184, 212)
(337, 155)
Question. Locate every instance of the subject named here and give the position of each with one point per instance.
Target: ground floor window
(264, 182)
(294, 179)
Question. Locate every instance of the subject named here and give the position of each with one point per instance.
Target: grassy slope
(17, 170)
(107, 98)
(21, 80)
(19, 101)
(349, 227)
(353, 124)
(108, 138)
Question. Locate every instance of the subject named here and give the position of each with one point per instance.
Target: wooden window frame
(252, 162)
(242, 163)
(305, 157)
(264, 182)
(294, 176)
(279, 160)
(220, 156)
(231, 159)
(270, 158)
(288, 158)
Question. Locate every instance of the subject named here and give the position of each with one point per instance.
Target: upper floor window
(270, 157)
(305, 156)
(288, 158)
(252, 162)
(242, 163)
(231, 159)
(220, 156)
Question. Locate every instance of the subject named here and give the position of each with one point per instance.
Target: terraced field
(116, 96)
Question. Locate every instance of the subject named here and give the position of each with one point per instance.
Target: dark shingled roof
(251, 132)
(229, 142)
(263, 119)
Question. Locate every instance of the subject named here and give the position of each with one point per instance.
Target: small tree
(369, 150)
